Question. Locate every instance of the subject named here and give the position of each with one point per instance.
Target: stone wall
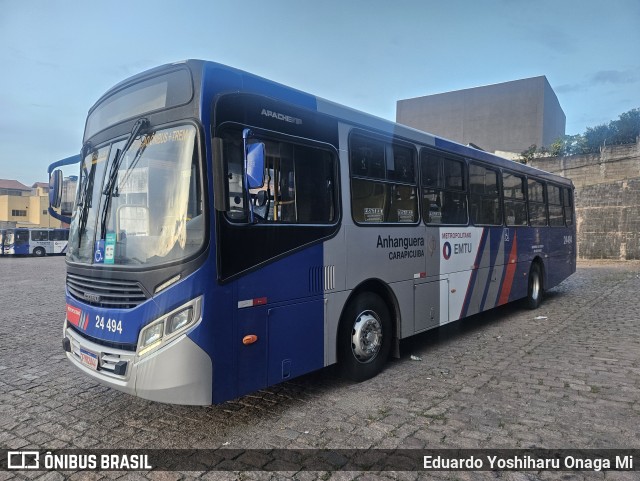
(607, 200)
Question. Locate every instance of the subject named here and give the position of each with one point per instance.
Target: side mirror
(57, 196)
(254, 164)
(55, 188)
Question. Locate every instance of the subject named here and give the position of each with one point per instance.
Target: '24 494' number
(111, 325)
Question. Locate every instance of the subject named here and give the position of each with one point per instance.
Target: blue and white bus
(231, 233)
(36, 241)
(2, 236)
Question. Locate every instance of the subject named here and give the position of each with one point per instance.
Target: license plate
(89, 359)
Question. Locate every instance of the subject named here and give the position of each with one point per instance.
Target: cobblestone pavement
(504, 379)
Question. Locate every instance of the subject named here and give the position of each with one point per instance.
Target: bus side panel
(46, 245)
(392, 254)
(282, 305)
(252, 358)
(562, 260)
(497, 273)
(296, 337)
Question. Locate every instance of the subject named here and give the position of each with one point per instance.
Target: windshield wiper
(138, 128)
(110, 189)
(84, 201)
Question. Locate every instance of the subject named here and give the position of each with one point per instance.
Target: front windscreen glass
(152, 211)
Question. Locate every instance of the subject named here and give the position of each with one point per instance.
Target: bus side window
(513, 188)
(484, 195)
(383, 181)
(556, 217)
(537, 203)
(299, 185)
(444, 197)
(568, 206)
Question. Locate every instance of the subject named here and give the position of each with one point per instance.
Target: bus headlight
(169, 326)
(179, 320)
(151, 337)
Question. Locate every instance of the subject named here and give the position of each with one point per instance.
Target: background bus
(38, 242)
(231, 233)
(2, 234)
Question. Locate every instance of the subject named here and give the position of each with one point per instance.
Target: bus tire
(364, 337)
(39, 251)
(534, 287)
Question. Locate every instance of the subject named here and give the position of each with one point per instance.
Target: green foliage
(625, 130)
(627, 127)
(528, 155)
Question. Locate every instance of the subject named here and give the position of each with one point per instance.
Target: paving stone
(499, 379)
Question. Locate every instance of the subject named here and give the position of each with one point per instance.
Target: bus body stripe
(474, 274)
(495, 277)
(510, 272)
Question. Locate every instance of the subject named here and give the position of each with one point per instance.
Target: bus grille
(105, 292)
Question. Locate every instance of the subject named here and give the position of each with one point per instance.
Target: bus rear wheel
(364, 337)
(534, 289)
(39, 251)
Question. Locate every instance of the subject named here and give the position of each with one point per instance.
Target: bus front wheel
(364, 337)
(534, 290)
(39, 251)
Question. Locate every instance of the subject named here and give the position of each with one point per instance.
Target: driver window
(298, 188)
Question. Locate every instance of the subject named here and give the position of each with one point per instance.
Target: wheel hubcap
(366, 336)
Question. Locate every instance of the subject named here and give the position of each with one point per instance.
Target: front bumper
(178, 373)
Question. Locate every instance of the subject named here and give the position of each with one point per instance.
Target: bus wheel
(534, 291)
(39, 251)
(364, 337)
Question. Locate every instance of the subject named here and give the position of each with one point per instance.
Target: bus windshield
(153, 212)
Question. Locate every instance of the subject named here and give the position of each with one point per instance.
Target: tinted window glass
(536, 191)
(401, 165)
(383, 184)
(40, 235)
(484, 200)
(513, 186)
(298, 188)
(367, 157)
(537, 205)
(568, 206)
(556, 216)
(453, 175)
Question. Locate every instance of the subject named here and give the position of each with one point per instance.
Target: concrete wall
(509, 116)
(607, 200)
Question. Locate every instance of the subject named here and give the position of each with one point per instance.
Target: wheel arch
(381, 289)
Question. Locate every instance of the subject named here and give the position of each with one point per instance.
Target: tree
(625, 130)
(597, 136)
(557, 148)
(528, 155)
(627, 127)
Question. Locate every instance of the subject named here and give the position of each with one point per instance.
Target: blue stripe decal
(474, 274)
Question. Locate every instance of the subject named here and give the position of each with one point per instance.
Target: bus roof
(250, 83)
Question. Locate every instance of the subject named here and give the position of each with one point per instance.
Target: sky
(58, 57)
